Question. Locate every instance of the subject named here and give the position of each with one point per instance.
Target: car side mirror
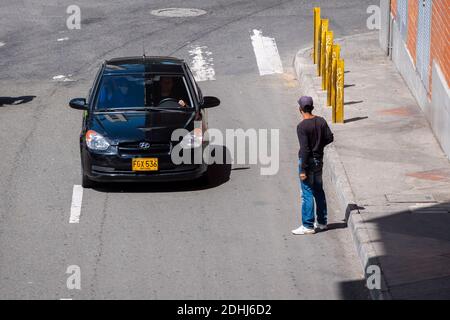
(78, 103)
(210, 102)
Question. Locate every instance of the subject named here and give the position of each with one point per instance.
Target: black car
(132, 109)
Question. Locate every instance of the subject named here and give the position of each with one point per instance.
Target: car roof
(143, 64)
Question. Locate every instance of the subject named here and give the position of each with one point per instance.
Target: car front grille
(133, 148)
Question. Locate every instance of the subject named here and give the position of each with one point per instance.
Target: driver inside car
(167, 86)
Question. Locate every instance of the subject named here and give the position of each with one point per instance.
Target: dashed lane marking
(62, 78)
(77, 199)
(202, 64)
(178, 12)
(266, 52)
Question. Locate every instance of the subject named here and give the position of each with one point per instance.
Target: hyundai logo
(144, 145)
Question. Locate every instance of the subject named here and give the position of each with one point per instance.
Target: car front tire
(86, 182)
(218, 173)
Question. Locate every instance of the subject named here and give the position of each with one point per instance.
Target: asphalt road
(159, 241)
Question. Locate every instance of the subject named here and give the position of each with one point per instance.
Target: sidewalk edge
(335, 172)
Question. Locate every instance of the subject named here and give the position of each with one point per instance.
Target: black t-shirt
(313, 135)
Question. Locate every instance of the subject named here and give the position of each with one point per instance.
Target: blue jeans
(312, 189)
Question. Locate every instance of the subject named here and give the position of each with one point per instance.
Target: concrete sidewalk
(391, 175)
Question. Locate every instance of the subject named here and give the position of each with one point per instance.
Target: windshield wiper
(140, 109)
(120, 109)
(166, 109)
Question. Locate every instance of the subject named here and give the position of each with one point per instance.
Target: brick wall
(413, 16)
(440, 37)
(394, 7)
(440, 33)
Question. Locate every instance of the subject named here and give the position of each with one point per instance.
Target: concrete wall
(385, 12)
(405, 64)
(440, 108)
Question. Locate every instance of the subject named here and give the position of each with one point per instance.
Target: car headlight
(96, 141)
(193, 139)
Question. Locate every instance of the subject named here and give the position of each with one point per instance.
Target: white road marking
(202, 64)
(59, 77)
(77, 199)
(178, 12)
(2, 44)
(62, 39)
(266, 52)
(63, 78)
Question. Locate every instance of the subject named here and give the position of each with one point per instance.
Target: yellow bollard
(316, 34)
(323, 30)
(339, 117)
(335, 55)
(327, 68)
(319, 48)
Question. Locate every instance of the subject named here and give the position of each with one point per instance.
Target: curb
(334, 171)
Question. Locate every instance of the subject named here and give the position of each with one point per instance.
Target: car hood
(156, 126)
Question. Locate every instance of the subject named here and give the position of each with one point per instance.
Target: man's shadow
(15, 100)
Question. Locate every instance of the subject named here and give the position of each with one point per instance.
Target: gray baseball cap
(305, 101)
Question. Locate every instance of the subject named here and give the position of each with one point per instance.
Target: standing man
(313, 134)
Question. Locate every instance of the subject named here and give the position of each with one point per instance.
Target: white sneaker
(303, 230)
(320, 227)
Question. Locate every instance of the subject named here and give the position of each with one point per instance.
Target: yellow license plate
(144, 164)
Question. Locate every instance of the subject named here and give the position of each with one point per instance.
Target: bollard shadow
(349, 103)
(355, 119)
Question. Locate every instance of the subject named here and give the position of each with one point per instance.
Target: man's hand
(303, 176)
(182, 103)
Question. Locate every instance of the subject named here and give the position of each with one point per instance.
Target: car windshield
(141, 91)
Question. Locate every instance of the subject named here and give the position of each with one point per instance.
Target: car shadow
(219, 174)
(154, 187)
(15, 100)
